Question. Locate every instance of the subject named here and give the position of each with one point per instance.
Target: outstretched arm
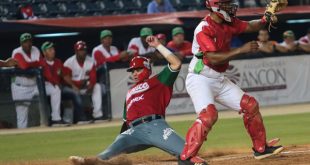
(175, 62)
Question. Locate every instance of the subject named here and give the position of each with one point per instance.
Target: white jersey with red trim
(304, 40)
(113, 51)
(35, 56)
(78, 72)
(136, 46)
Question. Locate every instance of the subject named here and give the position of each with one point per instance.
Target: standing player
(106, 52)
(206, 83)
(80, 75)
(25, 87)
(8, 63)
(144, 117)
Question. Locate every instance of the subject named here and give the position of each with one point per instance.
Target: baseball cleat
(192, 161)
(76, 160)
(269, 151)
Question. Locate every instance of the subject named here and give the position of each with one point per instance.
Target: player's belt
(144, 119)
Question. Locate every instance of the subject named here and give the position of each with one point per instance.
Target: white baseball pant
(20, 92)
(205, 90)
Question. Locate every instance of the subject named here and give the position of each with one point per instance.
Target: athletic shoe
(82, 122)
(269, 151)
(192, 161)
(59, 123)
(98, 120)
(76, 160)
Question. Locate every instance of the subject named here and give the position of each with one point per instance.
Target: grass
(227, 133)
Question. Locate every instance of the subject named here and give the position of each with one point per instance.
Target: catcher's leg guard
(253, 122)
(199, 131)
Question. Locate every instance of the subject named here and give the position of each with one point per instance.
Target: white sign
(272, 81)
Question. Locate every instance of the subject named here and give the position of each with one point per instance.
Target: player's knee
(249, 104)
(208, 116)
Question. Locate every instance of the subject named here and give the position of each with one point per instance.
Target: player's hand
(11, 62)
(152, 41)
(250, 47)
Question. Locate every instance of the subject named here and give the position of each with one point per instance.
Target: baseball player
(139, 46)
(52, 74)
(178, 43)
(80, 75)
(8, 63)
(145, 124)
(25, 87)
(206, 83)
(106, 52)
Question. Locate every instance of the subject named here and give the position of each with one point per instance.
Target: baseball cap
(105, 33)
(80, 45)
(177, 30)
(46, 45)
(288, 33)
(146, 32)
(25, 37)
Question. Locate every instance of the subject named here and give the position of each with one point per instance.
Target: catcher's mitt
(272, 8)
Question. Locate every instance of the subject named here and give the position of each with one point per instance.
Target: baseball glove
(272, 8)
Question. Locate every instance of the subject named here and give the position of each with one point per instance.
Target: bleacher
(75, 8)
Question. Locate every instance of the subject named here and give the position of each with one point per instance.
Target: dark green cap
(146, 32)
(177, 30)
(105, 33)
(46, 45)
(25, 37)
(288, 33)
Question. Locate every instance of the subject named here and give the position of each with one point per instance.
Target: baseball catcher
(206, 83)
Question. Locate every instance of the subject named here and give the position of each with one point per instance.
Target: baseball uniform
(85, 72)
(101, 55)
(139, 107)
(136, 46)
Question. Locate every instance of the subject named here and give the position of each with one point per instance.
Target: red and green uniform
(150, 97)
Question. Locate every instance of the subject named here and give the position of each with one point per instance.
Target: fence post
(44, 109)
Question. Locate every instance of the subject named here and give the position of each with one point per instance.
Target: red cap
(161, 36)
(80, 45)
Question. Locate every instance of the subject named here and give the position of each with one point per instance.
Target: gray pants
(156, 133)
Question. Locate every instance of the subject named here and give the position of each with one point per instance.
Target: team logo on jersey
(138, 89)
(136, 99)
(58, 71)
(167, 133)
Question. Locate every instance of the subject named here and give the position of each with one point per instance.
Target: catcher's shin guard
(199, 131)
(253, 122)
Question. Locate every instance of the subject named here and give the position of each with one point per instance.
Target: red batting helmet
(141, 62)
(80, 45)
(223, 8)
(161, 36)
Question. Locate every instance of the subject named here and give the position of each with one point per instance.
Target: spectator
(52, 74)
(289, 41)
(80, 76)
(138, 45)
(305, 39)
(105, 52)
(26, 12)
(182, 47)
(25, 87)
(267, 46)
(8, 63)
(159, 6)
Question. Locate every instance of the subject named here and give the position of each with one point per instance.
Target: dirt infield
(297, 155)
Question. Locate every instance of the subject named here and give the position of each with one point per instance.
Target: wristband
(163, 50)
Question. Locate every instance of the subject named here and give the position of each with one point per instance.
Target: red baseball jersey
(210, 36)
(53, 71)
(101, 55)
(185, 48)
(151, 96)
